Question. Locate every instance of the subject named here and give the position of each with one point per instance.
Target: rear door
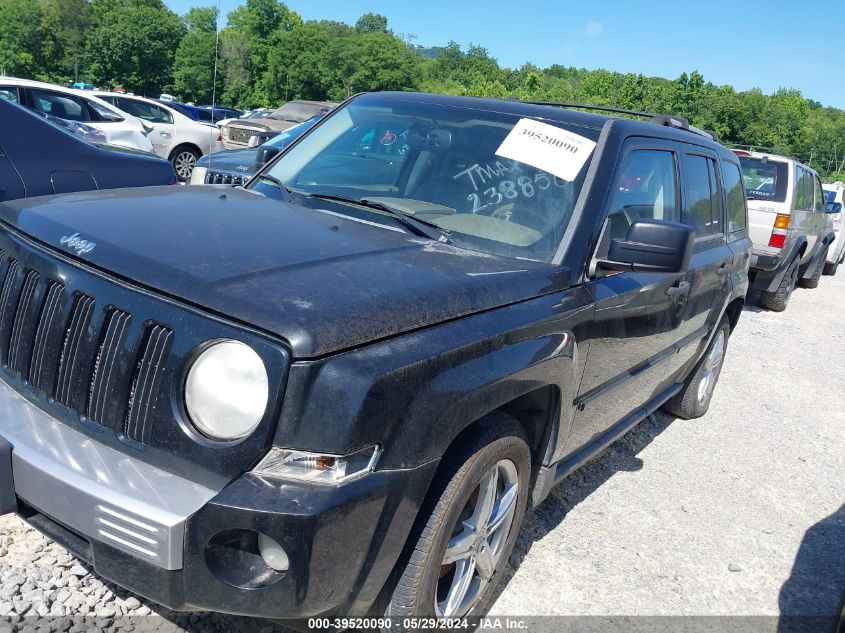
(638, 316)
(162, 136)
(736, 219)
(712, 261)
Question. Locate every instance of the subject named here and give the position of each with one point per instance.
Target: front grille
(240, 135)
(224, 178)
(145, 382)
(56, 343)
(108, 359)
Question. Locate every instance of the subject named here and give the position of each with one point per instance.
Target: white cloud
(593, 29)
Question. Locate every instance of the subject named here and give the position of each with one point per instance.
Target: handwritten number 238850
(508, 190)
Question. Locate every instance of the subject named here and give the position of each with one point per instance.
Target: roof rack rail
(752, 148)
(677, 122)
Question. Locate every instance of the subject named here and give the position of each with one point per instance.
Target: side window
(799, 189)
(644, 190)
(732, 184)
(59, 105)
(704, 209)
(144, 110)
(805, 190)
(10, 93)
(819, 206)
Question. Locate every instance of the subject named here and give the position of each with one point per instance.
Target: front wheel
(467, 527)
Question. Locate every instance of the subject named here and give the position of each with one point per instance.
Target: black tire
(776, 301)
(184, 158)
(422, 575)
(813, 282)
(693, 400)
(830, 268)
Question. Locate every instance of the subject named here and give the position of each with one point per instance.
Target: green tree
(298, 65)
(134, 45)
(196, 58)
(373, 61)
(259, 25)
(19, 37)
(371, 23)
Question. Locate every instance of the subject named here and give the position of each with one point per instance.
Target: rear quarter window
(734, 197)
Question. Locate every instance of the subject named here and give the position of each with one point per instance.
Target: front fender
(414, 393)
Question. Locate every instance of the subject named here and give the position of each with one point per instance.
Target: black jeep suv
(336, 392)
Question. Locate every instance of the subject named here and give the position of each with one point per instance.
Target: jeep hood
(321, 281)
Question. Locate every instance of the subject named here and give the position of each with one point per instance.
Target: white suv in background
(836, 212)
(177, 138)
(788, 224)
(81, 106)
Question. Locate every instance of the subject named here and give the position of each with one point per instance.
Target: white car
(79, 106)
(835, 203)
(176, 137)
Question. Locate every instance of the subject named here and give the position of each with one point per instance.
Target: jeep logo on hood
(77, 243)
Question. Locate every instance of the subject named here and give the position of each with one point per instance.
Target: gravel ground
(738, 513)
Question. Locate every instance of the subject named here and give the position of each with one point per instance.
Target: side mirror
(264, 155)
(834, 207)
(652, 246)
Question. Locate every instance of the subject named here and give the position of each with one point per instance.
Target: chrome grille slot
(45, 331)
(104, 374)
(148, 370)
(69, 360)
(17, 354)
(8, 303)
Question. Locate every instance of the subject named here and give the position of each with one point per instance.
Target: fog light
(272, 553)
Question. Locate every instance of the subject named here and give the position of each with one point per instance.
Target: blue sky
(746, 44)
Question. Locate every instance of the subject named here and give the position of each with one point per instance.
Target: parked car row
(173, 134)
(236, 166)
(335, 391)
(41, 157)
(238, 133)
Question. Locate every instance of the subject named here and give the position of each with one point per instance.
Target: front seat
(57, 108)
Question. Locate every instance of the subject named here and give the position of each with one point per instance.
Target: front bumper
(158, 534)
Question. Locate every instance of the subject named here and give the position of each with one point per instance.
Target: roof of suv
(562, 113)
(751, 153)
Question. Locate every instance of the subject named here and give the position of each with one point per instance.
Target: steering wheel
(505, 212)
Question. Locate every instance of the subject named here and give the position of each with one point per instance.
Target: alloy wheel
(711, 367)
(184, 164)
(477, 542)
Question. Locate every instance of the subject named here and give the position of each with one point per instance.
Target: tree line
(267, 54)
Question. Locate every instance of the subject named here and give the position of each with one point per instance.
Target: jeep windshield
(492, 181)
(765, 179)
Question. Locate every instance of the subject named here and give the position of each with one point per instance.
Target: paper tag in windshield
(547, 147)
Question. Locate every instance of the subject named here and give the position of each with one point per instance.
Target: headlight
(330, 469)
(226, 391)
(198, 175)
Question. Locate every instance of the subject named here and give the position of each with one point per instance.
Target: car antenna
(211, 130)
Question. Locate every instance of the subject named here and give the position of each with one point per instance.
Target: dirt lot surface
(738, 513)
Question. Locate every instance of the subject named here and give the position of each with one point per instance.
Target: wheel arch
(184, 145)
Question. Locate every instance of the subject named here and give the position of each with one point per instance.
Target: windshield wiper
(418, 226)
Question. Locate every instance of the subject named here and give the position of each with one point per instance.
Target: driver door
(638, 315)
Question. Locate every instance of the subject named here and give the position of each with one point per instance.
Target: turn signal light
(782, 221)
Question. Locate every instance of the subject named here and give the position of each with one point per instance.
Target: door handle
(165, 134)
(724, 271)
(679, 291)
